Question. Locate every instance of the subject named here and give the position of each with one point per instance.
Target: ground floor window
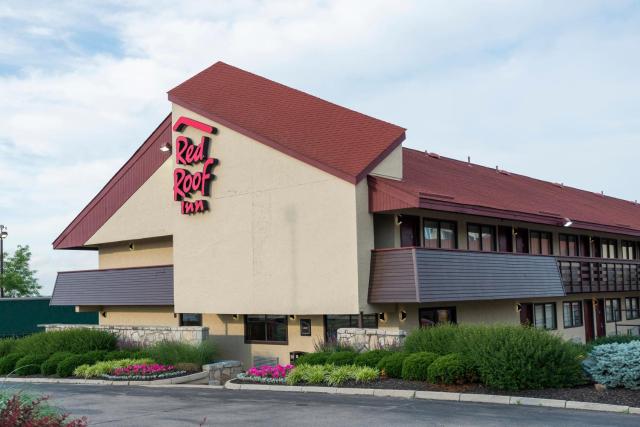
(433, 316)
(333, 322)
(544, 315)
(612, 310)
(572, 314)
(632, 305)
(190, 319)
(265, 328)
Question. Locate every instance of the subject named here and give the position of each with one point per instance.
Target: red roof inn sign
(186, 183)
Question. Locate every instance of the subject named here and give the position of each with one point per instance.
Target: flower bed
(267, 374)
(144, 372)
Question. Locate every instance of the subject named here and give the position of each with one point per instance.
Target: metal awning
(121, 286)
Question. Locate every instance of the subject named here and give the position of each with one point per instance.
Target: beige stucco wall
(391, 166)
(228, 333)
(138, 316)
(136, 253)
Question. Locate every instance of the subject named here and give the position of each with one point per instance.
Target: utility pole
(3, 234)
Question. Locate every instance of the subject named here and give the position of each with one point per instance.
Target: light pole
(3, 234)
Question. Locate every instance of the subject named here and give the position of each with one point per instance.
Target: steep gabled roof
(335, 139)
(135, 172)
(434, 182)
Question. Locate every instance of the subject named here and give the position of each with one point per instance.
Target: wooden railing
(599, 274)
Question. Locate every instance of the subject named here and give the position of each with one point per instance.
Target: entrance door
(526, 314)
(410, 231)
(588, 319)
(601, 330)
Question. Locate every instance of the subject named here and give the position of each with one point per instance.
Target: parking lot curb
(441, 395)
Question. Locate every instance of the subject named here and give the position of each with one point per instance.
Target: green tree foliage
(18, 279)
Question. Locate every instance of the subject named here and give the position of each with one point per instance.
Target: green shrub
(615, 365)
(50, 365)
(68, 365)
(445, 338)
(7, 345)
(8, 363)
(449, 369)
(331, 347)
(312, 359)
(97, 355)
(331, 374)
(415, 365)
(341, 358)
(105, 367)
(366, 374)
(30, 364)
(122, 354)
(174, 352)
(392, 364)
(371, 358)
(78, 341)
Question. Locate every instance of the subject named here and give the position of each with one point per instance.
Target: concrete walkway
(183, 406)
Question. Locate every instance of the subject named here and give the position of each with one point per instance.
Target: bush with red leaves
(17, 413)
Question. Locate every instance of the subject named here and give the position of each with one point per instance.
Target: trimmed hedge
(8, 363)
(30, 364)
(341, 358)
(371, 358)
(392, 364)
(415, 365)
(7, 345)
(506, 357)
(319, 358)
(50, 366)
(173, 352)
(449, 369)
(68, 365)
(78, 341)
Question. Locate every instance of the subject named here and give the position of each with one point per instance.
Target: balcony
(419, 275)
(580, 275)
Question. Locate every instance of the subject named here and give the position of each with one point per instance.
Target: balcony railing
(599, 275)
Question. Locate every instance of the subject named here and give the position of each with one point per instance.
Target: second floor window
(609, 248)
(612, 310)
(628, 250)
(481, 237)
(540, 243)
(568, 245)
(440, 234)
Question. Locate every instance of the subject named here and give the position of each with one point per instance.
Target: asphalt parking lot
(147, 406)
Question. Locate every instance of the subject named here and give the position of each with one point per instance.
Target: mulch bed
(586, 393)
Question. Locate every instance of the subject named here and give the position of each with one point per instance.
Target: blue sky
(544, 88)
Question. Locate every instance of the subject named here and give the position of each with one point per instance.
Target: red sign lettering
(185, 182)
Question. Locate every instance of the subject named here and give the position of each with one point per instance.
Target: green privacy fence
(21, 316)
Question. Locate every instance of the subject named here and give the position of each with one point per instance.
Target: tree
(18, 279)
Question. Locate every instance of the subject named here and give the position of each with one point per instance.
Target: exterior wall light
(382, 317)
(398, 219)
(292, 317)
(104, 314)
(402, 315)
(567, 222)
(234, 317)
(166, 148)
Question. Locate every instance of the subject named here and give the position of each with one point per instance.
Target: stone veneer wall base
(144, 335)
(371, 339)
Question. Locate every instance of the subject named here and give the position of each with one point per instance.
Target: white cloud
(545, 88)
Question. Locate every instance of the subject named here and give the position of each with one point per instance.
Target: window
(440, 234)
(265, 329)
(481, 237)
(609, 248)
(628, 250)
(190, 319)
(540, 243)
(568, 245)
(544, 315)
(632, 307)
(612, 310)
(433, 316)
(335, 321)
(572, 314)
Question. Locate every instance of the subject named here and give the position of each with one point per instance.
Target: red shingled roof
(432, 182)
(335, 139)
